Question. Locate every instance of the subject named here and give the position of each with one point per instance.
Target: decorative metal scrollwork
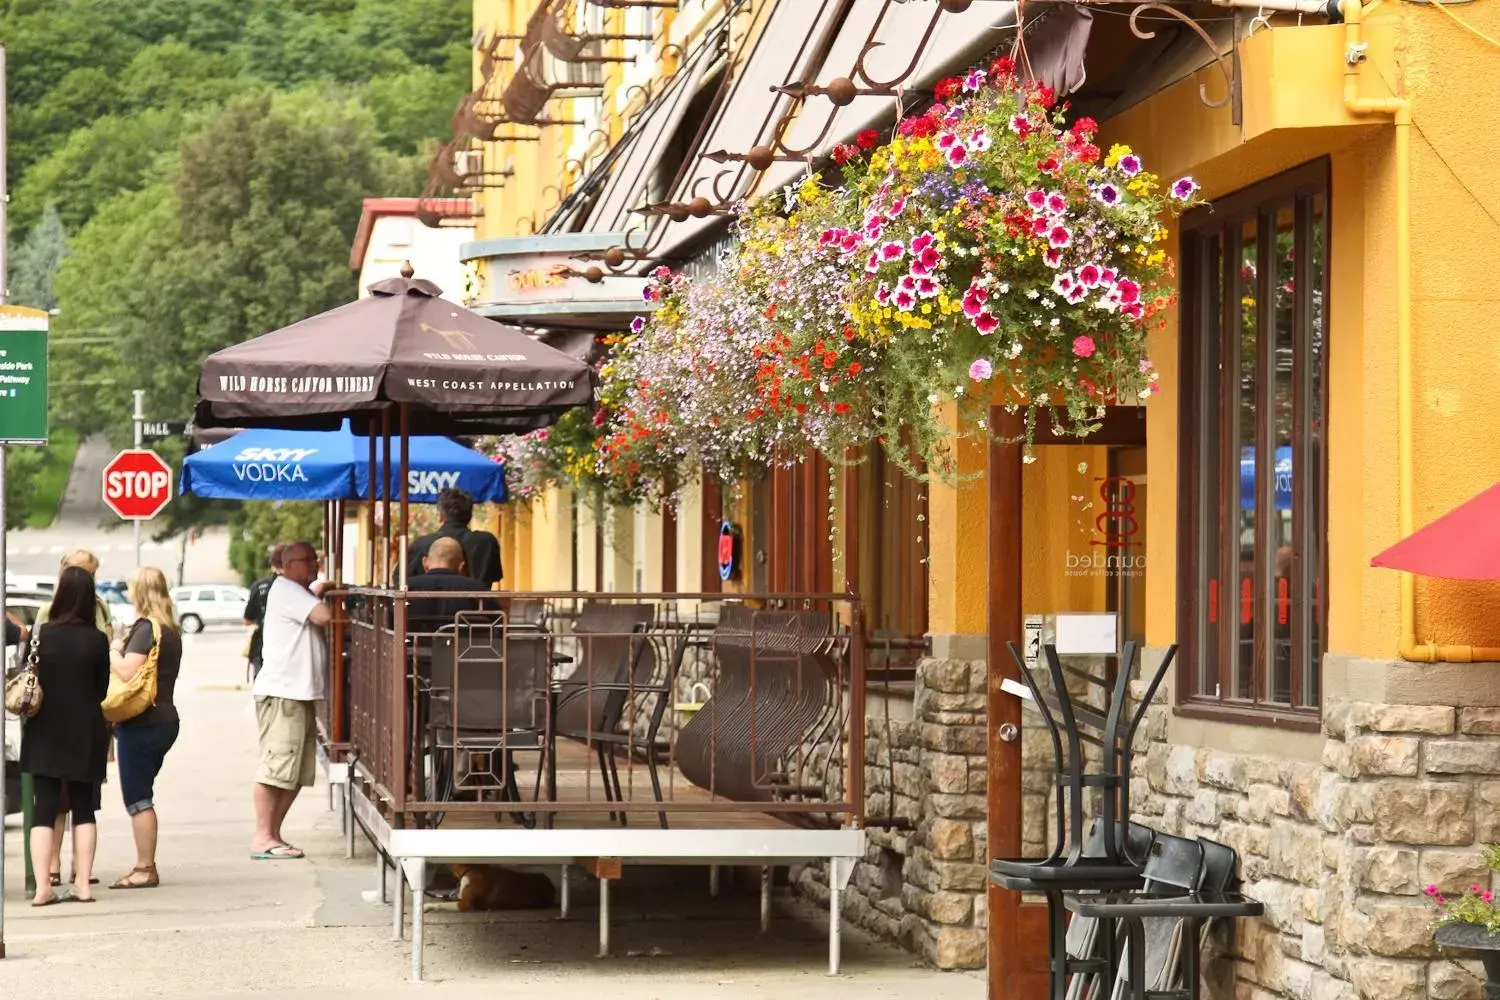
(1197, 29)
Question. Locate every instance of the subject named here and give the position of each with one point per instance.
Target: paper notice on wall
(1087, 634)
(1033, 636)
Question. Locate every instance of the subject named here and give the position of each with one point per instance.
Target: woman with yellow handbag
(144, 666)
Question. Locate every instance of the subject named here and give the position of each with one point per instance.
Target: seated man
(443, 569)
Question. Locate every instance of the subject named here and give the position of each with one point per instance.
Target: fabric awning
(1463, 544)
(956, 41)
(791, 38)
(636, 164)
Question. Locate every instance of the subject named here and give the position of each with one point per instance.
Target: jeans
(142, 749)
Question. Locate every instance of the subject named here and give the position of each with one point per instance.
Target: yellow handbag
(127, 699)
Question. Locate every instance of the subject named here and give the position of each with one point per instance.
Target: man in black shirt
(443, 569)
(481, 549)
(255, 608)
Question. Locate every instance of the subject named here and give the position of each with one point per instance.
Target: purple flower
(1184, 189)
(1130, 164)
(981, 370)
(1108, 194)
(974, 81)
(638, 324)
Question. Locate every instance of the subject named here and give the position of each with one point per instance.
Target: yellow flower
(1116, 153)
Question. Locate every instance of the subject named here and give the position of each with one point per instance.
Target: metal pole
(4, 290)
(140, 417)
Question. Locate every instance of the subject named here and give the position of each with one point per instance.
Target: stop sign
(137, 484)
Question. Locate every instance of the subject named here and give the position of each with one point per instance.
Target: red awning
(1463, 544)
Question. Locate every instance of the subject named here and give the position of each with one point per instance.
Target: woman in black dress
(65, 744)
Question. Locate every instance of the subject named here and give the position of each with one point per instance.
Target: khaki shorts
(288, 754)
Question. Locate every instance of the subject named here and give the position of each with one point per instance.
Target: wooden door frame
(1018, 930)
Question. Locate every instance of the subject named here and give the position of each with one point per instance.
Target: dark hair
(74, 599)
(278, 551)
(455, 507)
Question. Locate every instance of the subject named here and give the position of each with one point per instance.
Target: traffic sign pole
(140, 416)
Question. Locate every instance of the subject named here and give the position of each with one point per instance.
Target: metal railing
(584, 709)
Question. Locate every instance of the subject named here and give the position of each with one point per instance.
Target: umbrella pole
(370, 572)
(405, 485)
(385, 497)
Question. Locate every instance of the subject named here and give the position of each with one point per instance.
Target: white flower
(1004, 288)
(1033, 294)
(933, 398)
(1056, 322)
(958, 390)
(1028, 459)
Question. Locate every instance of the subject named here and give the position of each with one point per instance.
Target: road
(224, 926)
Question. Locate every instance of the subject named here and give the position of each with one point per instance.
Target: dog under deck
(710, 837)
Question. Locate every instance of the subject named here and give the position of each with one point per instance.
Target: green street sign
(23, 375)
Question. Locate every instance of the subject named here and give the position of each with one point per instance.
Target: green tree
(38, 261)
(173, 74)
(255, 527)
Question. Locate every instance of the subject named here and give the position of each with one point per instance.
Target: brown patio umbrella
(457, 372)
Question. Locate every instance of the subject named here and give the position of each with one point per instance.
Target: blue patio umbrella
(1282, 470)
(270, 464)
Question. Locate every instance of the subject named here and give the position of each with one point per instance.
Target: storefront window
(1254, 417)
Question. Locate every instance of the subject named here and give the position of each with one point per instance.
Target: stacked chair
(1141, 900)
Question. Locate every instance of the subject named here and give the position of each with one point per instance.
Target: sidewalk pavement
(223, 926)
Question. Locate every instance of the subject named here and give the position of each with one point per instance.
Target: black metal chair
(488, 701)
(1113, 862)
(1185, 884)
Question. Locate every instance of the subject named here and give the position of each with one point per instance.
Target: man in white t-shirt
(292, 680)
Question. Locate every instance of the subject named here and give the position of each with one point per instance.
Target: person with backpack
(255, 612)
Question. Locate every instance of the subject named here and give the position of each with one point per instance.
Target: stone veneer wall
(924, 886)
(1339, 850)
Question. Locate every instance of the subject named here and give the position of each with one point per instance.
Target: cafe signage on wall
(556, 280)
(1112, 525)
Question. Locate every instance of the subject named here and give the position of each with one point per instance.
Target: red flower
(1004, 66)
(848, 333)
(947, 88)
(1089, 154)
(868, 139)
(843, 153)
(830, 359)
(1049, 165)
(855, 368)
(1085, 126)
(841, 408)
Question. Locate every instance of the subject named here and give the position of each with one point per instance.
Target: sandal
(92, 881)
(127, 881)
(51, 900)
(280, 852)
(72, 897)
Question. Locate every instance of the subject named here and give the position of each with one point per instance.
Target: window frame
(1205, 308)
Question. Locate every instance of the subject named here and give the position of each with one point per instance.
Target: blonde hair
(83, 559)
(148, 592)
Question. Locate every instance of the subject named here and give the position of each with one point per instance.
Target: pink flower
(1145, 367)
(1036, 199)
(905, 300)
(849, 242)
(883, 294)
(1020, 125)
(927, 288)
(1077, 294)
(1184, 189)
(1040, 226)
(1487, 896)
(1133, 310)
(829, 237)
(986, 324)
(892, 250)
(873, 264)
(981, 370)
(1083, 346)
(908, 283)
(927, 261)
(955, 114)
(1063, 284)
(1088, 275)
(1130, 165)
(974, 81)
(947, 141)
(958, 156)
(1057, 204)
(1129, 291)
(1052, 258)
(873, 226)
(1431, 890)
(1107, 277)
(1442, 901)
(1059, 237)
(1476, 888)
(922, 242)
(974, 300)
(897, 207)
(651, 293)
(979, 141)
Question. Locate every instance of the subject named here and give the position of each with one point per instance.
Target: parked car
(29, 583)
(209, 604)
(121, 614)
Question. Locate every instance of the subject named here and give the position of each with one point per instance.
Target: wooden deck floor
(578, 781)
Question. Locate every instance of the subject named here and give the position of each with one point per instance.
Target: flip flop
(281, 852)
(52, 900)
(68, 897)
